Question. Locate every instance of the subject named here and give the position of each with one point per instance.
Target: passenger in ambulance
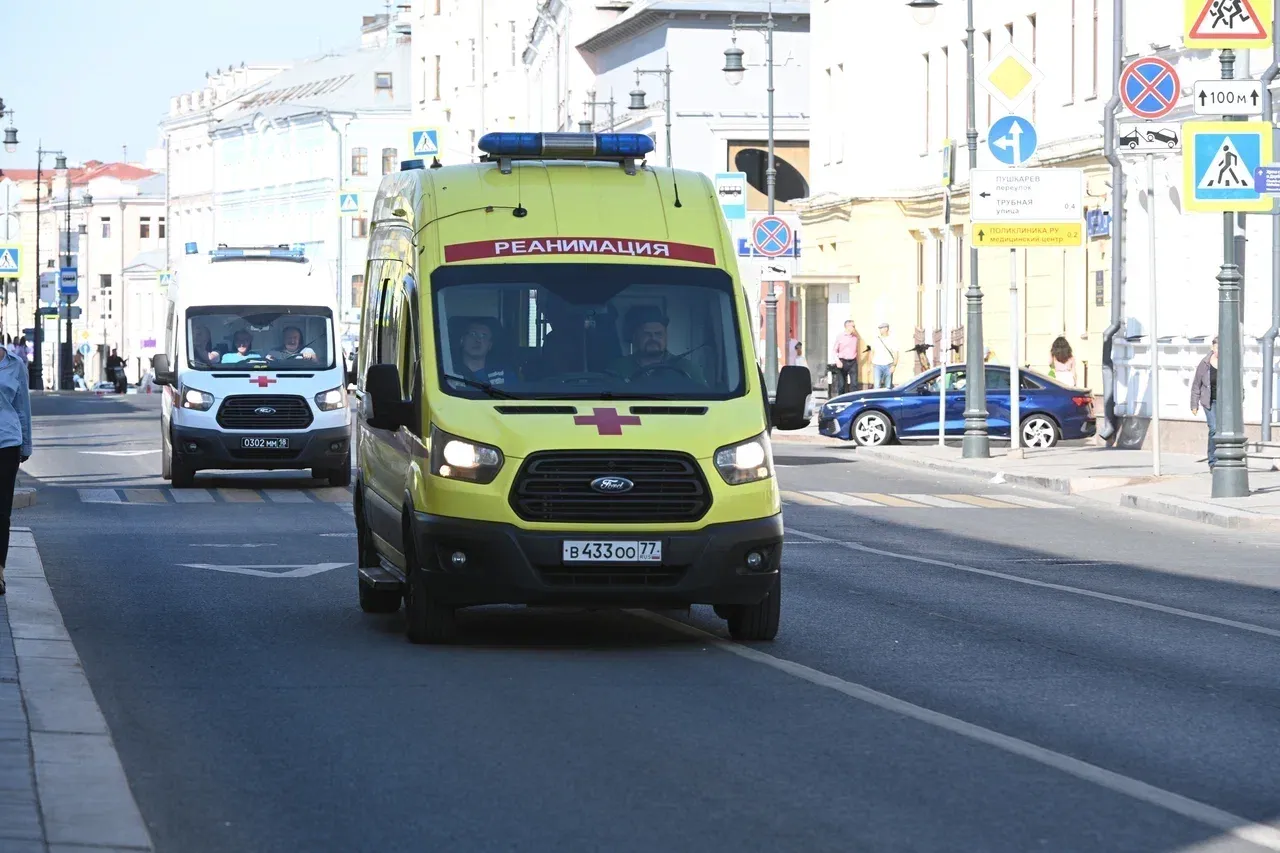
(243, 342)
(476, 346)
(202, 351)
(292, 348)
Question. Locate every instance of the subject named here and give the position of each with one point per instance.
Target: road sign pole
(944, 315)
(976, 443)
(1269, 337)
(1015, 333)
(1231, 473)
(1152, 335)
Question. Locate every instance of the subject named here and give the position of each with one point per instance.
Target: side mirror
(382, 386)
(795, 384)
(160, 368)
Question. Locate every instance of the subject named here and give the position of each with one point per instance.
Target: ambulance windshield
(259, 337)
(587, 331)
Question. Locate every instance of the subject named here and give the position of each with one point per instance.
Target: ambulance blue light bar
(284, 253)
(566, 146)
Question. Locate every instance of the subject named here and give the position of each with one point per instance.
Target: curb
(80, 785)
(1232, 519)
(23, 498)
(1060, 485)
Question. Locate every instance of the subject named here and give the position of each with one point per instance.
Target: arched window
(789, 183)
(359, 161)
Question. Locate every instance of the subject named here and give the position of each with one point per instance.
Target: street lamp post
(976, 443)
(591, 103)
(10, 132)
(637, 97)
(734, 71)
(36, 380)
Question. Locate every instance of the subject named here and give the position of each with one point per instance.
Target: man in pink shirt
(845, 356)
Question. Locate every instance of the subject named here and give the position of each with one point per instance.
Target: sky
(104, 80)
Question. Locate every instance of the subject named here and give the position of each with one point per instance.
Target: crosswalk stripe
(842, 499)
(144, 496)
(1031, 503)
(804, 500)
(99, 496)
(935, 501)
(332, 495)
(286, 496)
(240, 496)
(192, 496)
(978, 500)
(887, 500)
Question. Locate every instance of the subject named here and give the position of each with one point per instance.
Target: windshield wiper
(491, 390)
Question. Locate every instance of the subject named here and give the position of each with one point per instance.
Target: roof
(646, 15)
(338, 82)
(83, 174)
(251, 282)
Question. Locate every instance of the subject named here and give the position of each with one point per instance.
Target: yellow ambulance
(559, 400)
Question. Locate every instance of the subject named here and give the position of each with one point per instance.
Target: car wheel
(183, 477)
(166, 460)
(757, 622)
(426, 620)
(872, 429)
(1040, 431)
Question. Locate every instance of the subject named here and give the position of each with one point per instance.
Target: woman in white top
(1062, 363)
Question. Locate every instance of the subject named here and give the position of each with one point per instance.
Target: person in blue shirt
(243, 342)
(477, 343)
(15, 440)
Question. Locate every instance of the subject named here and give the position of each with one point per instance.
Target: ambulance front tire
(166, 460)
(426, 620)
(338, 478)
(182, 475)
(754, 622)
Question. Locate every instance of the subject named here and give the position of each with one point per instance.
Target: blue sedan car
(1048, 412)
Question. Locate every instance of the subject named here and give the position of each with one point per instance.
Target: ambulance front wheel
(755, 622)
(182, 475)
(426, 618)
(338, 478)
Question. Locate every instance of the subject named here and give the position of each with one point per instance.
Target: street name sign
(1149, 87)
(1026, 195)
(1222, 24)
(1219, 166)
(1227, 98)
(1010, 77)
(1012, 140)
(1149, 137)
(1266, 179)
(1030, 235)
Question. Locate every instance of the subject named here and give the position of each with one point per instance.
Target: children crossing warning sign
(1219, 161)
(1228, 23)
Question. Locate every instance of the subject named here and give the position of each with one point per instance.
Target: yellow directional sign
(1027, 235)
(1234, 24)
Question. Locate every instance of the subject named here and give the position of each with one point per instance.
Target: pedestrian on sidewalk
(884, 358)
(15, 441)
(844, 354)
(1204, 395)
(1062, 363)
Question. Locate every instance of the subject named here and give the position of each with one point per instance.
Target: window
(514, 56)
(388, 160)
(831, 127)
(382, 81)
(986, 38)
(359, 161)
(357, 291)
(946, 93)
(790, 184)
(473, 59)
(389, 321)
(928, 107)
(144, 227)
(1095, 49)
(437, 82)
(269, 337)
(359, 226)
(104, 282)
(1071, 90)
(920, 281)
(997, 379)
(959, 313)
(162, 229)
(106, 226)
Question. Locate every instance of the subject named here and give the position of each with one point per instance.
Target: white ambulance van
(253, 374)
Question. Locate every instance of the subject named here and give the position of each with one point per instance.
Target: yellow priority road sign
(1027, 235)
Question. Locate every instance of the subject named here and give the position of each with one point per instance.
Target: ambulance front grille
(259, 412)
(555, 486)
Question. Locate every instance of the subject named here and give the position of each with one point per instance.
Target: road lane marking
(144, 496)
(1264, 836)
(192, 496)
(262, 571)
(286, 496)
(240, 496)
(119, 452)
(886, 500)
(1030, 503)
(1073, 590)
(841, 498)
(935, 501)
(978, 500)
(99, 496)
(332, 495)
(805, 500)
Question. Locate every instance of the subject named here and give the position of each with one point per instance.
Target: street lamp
(10, 132)
(637, 97)
(734, 71)
(591, 103)
(36, 378)
(976, 443)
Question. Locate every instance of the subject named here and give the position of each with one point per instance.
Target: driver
(293, 347)
(648, 326)
(243, 342)
(477, 343)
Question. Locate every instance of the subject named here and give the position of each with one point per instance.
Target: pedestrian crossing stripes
(872, 500)
(211, 496)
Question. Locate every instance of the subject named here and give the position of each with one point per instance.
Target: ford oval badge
(612, 485)
(264, 410)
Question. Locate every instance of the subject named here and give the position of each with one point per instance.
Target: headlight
(331, 400)
(193, 398)
(459, 459)
(833, 409)
(745, 462)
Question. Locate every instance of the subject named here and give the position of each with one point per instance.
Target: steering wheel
(650, 369)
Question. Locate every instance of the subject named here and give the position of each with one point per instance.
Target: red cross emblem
(606, 421)
(262, 381)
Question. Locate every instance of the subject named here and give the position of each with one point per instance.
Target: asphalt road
(955, 672)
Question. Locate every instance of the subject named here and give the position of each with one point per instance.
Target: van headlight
(194, 398)
(456, 458)
(745, 462)
(332, 400)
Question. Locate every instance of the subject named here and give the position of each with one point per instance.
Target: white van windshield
(260, 337)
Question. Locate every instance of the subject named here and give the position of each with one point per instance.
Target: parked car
(1048, 412)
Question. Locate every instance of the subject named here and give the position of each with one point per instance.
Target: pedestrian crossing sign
(1234, 24)
(348, 202)
(1219, 160)
(426, 142)
(10, 261)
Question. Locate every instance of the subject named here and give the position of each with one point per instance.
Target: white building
(468, 70)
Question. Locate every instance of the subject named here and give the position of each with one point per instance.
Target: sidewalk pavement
(62, 787)
(1111, 476)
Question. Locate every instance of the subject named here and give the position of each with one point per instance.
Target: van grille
(555, 486)
(242, 412)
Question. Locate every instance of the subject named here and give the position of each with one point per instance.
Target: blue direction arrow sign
(1012, 140)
